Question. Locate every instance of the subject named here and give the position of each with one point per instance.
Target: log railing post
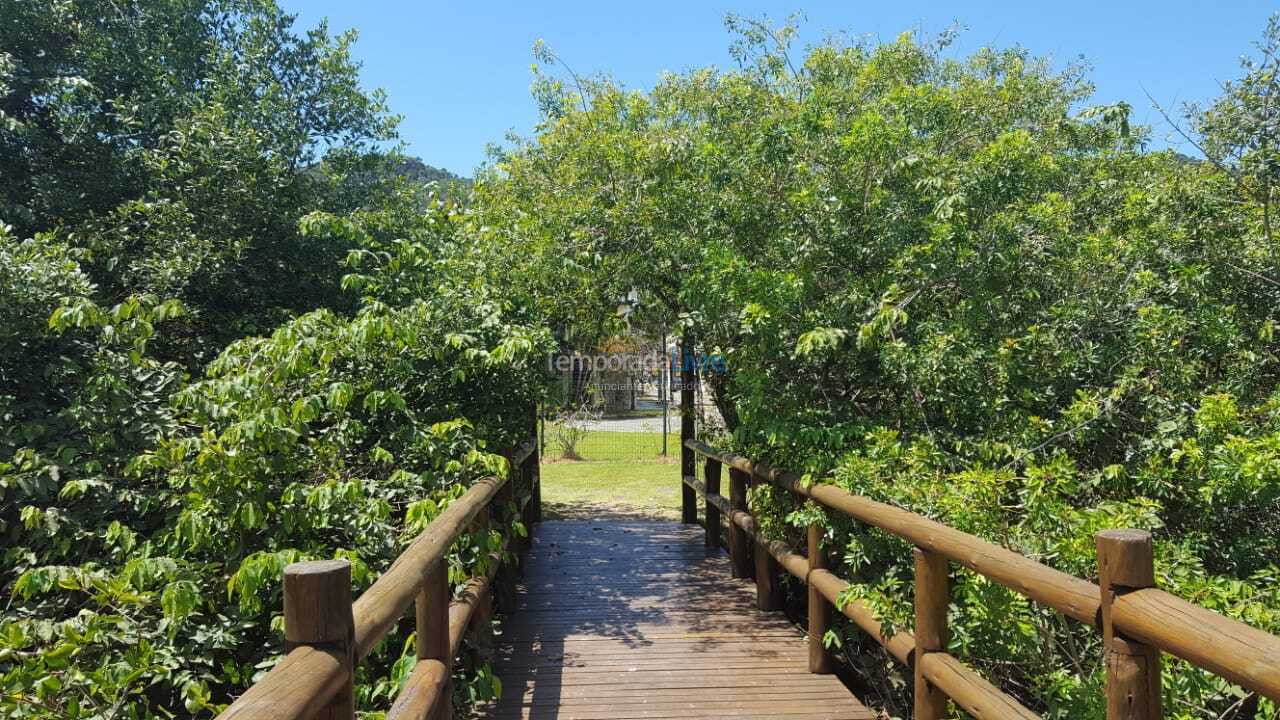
(535, 479)
(505, 582)
(688, 381)
(932, 598)
(517, 480)
(482, 623)
(768, 578)
(535, 471)
(483, 620)
(739, 541)
(1125, 563)
(317, 613)
(712, 469)
(433, 628)
(819, 609)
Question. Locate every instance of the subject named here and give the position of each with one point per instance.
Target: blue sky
(459, 72)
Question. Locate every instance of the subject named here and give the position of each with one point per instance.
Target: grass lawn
(623, 475)
(593, 489)
(611, 445)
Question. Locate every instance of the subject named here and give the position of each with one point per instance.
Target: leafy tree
(170, 138)
(332, 437)
(950, 284)
(944, 282)
(191, 179)
(1238, 131)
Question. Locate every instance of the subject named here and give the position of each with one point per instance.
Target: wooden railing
(326, 634)
(1137, 620)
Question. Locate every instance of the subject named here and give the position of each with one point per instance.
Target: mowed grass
(624, 475)
(611, 445)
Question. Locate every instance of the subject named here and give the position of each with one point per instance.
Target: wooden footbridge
(623, 620)
(638, 620)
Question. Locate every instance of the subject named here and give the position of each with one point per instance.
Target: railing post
(768, 578)
(433, 628)
(1126, 562)
(688, 381)
(505, 582)
(317, 612)
(535, 473)
(712, 469)
(483, 619)
(739, 541)
(932, 598)
(516, 478)
(819, 609)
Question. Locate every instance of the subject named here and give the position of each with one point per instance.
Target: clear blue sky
(459, 71)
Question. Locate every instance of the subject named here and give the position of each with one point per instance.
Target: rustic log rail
(1138, 621)
(327, 634)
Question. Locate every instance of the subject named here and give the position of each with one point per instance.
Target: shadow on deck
(637, 619)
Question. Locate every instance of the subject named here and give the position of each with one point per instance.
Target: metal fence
(617, 416)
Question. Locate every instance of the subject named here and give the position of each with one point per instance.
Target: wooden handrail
(462, 610)
(1228, 648)
(424, 688)
(961, 683)
(386, 601)
(297, 688)
(1233, 650)
(302, 684)
(970, 690)
(523, 451)
(1065, 593)
(423, 691)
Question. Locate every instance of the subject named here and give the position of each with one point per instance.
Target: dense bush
(232, 338)
(950, 284)
(173, 215)
(178, 142)
(151, 582)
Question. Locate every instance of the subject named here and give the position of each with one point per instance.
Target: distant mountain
(414, 169)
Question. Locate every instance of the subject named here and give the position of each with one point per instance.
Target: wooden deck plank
(631, 620)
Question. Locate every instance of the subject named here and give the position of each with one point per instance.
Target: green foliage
(943, 282)
(333, 437)
(949, 284)
(168, 138)
(195, 184)
(1238, 131)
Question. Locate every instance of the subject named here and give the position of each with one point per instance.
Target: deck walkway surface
(632, 619)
